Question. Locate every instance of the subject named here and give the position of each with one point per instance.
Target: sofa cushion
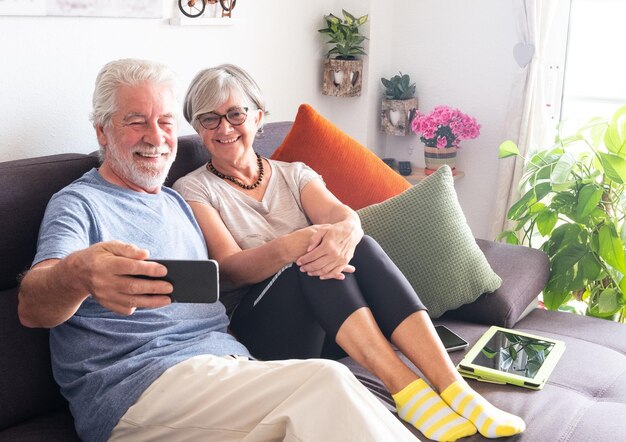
(27, 389)
(192, 153)
(57, 426)
(524, 272)
(27, 185)
(352, 172)
(424, 232)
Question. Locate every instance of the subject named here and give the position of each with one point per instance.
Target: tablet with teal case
(506, 356)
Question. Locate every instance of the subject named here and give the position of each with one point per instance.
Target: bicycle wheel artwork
(192, 8)
(228, 5)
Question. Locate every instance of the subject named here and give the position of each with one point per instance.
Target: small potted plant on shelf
(442, 131)
(343, 72)
(398, 104)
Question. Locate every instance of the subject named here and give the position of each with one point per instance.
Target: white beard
(144, 176)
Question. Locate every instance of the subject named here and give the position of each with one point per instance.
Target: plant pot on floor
(342, 78)
(434, 158)
(396, 116)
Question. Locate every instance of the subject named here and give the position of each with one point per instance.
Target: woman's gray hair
(126, 72)
(211, 88)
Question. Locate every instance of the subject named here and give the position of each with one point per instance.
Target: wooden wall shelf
(418, 175)
(179, 20)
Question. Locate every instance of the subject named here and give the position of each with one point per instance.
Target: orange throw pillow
(356, 176)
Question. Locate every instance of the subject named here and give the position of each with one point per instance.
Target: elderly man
(133, 365)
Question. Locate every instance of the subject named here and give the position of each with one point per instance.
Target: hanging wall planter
(343, 74)
(342, 78)
(396, 116)
(398, 105)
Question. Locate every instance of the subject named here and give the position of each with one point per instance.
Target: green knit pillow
(424, 232)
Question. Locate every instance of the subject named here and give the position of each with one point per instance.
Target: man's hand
(105, 271)
(53, 290)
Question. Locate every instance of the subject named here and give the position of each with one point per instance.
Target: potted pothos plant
(398, 104)
(342, 68)
(573, 209)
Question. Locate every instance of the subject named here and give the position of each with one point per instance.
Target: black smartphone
(194, 281)
(451, 341)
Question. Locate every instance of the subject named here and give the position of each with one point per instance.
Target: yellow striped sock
(490, 421)
(419, 405)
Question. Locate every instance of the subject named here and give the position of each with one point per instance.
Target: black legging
(292, 317)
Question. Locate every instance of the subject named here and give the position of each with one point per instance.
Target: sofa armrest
(524, 272)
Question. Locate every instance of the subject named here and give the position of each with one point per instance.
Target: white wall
(50, 63)
(458, 52)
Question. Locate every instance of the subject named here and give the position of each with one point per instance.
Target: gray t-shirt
(253, 223)
(104, 361)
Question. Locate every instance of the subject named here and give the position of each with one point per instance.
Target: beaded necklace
(238, 182)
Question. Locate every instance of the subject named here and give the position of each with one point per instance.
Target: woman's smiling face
(228, 142)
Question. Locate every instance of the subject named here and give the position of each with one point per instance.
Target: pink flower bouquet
(444, 127)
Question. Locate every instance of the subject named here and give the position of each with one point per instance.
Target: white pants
(209, 398)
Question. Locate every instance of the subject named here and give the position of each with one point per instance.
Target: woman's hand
(330, 249)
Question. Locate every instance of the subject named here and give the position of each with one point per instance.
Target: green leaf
(611, 248)
(622, 287)
(505, 360)
(566, 274)
(566, 260)
(489, 353)
(347, 16)
(608, 303)
(562, 169)
(509, 237)
(546, 220)
(615, 136)
(565, 234)
(508, 149)
(524, 204)
(588, 199)
(614, 167)
(562, 187)
(553, 298)
(590, 267)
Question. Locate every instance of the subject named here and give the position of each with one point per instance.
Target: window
(595, 66)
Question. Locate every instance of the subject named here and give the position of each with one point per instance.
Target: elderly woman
(275, 229)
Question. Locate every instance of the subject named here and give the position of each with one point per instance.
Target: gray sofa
(584, 400)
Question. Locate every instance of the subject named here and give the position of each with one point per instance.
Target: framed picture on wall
(84, 8)
(106, 8)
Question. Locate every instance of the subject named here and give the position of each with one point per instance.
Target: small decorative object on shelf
(442, 132)
(404, 167)
(195, 8)
(343, 73)
(398, 105)
(391, 162)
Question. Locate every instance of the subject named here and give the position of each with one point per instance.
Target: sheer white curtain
(528, 122)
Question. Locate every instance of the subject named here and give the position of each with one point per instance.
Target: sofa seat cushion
(27, 389)
(585, 397)
(53, 427)
(524, 272)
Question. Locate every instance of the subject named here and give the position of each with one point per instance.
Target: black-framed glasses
(212, 120)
